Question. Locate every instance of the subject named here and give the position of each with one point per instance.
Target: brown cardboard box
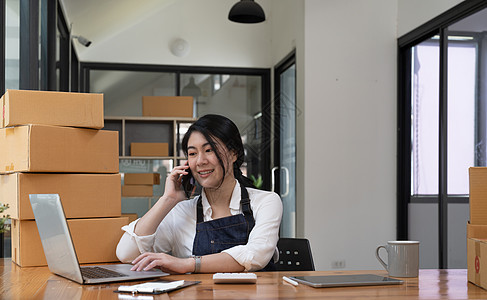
(478, 195)
(476, 253)
(137, 191)
(52, 108)
(82, 195)
(167, 106)
(43, 148)
(142, 178)
(477, 227)
(27, 248)
(149, 149)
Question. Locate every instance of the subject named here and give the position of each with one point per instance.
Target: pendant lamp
(246, 11)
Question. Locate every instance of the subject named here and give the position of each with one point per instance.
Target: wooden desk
(39, 283)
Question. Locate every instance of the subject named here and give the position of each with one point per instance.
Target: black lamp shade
(246, 11)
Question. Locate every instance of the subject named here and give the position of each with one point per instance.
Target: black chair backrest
(294, 255)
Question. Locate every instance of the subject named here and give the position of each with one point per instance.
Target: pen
(289, 280)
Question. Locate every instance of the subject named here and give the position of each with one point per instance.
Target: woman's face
(203, 162)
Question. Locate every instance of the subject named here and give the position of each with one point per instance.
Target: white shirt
(175, 234)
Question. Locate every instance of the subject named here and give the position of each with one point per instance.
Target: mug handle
(378, 256)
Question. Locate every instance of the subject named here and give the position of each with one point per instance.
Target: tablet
(345, 280)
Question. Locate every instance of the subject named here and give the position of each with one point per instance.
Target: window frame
(437, 26)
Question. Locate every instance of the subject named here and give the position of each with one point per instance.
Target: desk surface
(39, 283)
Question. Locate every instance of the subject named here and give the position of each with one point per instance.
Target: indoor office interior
(364, 115)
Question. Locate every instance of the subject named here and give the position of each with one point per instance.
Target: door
(283, 171)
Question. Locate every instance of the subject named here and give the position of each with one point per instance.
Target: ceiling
(97, 19)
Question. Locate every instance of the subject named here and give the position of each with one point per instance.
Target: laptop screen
(55, 237)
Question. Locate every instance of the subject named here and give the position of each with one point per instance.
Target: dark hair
(220, 127)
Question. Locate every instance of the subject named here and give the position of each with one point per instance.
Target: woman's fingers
(141, 261)
(166, 263)
(180, 170)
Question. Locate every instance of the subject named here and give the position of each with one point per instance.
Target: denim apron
(220, 234)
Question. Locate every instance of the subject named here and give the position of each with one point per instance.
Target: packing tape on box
(477, 262)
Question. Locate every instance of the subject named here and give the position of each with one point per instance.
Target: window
(442, 130)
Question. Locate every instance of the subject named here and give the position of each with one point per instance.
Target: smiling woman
(230, 227)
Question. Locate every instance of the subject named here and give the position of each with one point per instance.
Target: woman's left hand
(165, 262)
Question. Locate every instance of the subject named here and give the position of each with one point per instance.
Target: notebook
(345, 280)
(59, 249)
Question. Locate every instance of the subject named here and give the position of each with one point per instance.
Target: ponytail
(243, 180)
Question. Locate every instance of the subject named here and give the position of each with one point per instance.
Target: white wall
(413, 13)
(349, 128)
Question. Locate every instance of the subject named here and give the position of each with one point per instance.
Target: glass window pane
(467, 95)
(461, 114)
(288, 151)
(424, 118)
(140, 205)
(238, 98)
(12, 44)
(123, 90)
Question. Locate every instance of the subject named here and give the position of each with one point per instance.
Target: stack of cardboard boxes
(51, 143)
(140, 184)
(477, 228)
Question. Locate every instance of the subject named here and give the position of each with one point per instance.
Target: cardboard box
(82, 195)
(149, 149)
(478, 195)
(167, 106)
(43, 148)
(476, 254)
(477, 227)
(142, 178)
(27, 248)
(52, 108)
(137, 191)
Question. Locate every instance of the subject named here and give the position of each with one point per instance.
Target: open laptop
(59, 249)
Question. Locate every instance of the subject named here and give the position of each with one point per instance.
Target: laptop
(59, 249)
(346, 280)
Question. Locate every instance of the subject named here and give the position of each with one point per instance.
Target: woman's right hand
(174, 190)
(173, 194)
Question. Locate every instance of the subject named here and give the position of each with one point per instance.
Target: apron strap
(246, 209)
(199, 211)
(244, 203)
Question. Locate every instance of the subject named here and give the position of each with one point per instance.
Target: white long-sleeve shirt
(175, 234)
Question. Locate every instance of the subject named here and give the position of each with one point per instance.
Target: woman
(231, 227)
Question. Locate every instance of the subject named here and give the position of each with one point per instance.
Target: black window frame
(3, 10)
(437, 26)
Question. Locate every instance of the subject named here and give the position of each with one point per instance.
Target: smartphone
(188, 183)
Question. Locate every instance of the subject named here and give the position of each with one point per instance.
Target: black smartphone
(188, 183)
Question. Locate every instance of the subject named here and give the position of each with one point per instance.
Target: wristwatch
(197, 264)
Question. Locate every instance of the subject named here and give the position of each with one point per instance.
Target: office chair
(294, 255)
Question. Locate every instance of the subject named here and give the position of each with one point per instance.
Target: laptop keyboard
(98, 272)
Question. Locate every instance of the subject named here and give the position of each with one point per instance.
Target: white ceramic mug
(402, 258)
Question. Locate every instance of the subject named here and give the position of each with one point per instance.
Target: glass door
(284, 170)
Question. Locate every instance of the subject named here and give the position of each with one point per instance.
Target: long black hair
(216, 126)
